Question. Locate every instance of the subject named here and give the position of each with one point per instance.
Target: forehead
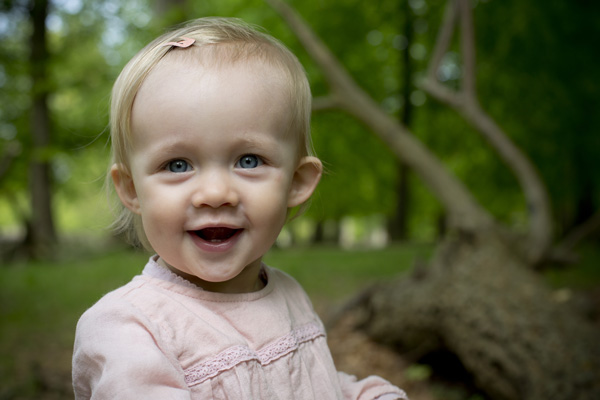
(187, 95)
(222, 65)
(258, 60)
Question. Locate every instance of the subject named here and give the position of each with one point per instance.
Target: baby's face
(213, 168)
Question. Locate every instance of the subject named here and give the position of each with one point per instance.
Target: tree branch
(467, 40)
(462, 209)
(442, 42)
(325, 103)
(466, 104)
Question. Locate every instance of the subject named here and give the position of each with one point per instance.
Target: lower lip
(215, 247)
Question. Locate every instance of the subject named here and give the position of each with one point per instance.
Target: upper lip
(215, 225)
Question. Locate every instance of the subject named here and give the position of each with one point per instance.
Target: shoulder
(119, 347)
(119, 324)
(119, 307)
(285, 283)
(280, 278)
(289, 292)
(116, 297)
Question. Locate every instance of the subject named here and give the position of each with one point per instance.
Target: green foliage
(359, 169)
(537, 73)
(536, 77)
(14, 92)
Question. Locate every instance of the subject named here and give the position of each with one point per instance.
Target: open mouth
(216, 235)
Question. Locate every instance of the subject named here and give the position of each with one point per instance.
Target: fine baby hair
(211, 40)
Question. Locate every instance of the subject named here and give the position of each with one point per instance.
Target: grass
(41, 302)
(330, 274)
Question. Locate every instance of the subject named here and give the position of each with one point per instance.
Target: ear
(125, 188)
(305, 180)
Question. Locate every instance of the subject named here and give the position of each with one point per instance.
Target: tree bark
(483, 304)
(43, 233)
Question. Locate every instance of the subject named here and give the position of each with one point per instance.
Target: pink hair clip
(186, 42)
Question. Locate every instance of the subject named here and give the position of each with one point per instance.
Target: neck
(249, 280)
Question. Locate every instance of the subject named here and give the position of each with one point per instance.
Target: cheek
(157, 205)
(270, 203)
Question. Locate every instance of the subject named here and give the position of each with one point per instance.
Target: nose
(215, 189)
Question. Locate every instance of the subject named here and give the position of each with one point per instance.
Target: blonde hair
(228, 40)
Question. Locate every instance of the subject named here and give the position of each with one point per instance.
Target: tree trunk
(319, 232)
(398, 223)
(481, 303)
(43, 233)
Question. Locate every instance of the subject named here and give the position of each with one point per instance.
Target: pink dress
(161, 337)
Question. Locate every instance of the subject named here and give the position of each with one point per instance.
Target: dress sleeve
(370, 388)
(119, 355)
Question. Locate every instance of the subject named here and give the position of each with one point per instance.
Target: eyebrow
(168, 146)
(245, 140)
(258, 142)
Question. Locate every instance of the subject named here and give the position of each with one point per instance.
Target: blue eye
(249, 161)
(178, 166)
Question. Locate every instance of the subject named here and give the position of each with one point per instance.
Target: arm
(370, 388)
(118, 355)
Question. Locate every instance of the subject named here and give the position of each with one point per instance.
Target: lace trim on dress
(235, 355)
(153, 268)
(160, 272)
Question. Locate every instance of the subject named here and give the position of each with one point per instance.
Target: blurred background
(372, 218)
